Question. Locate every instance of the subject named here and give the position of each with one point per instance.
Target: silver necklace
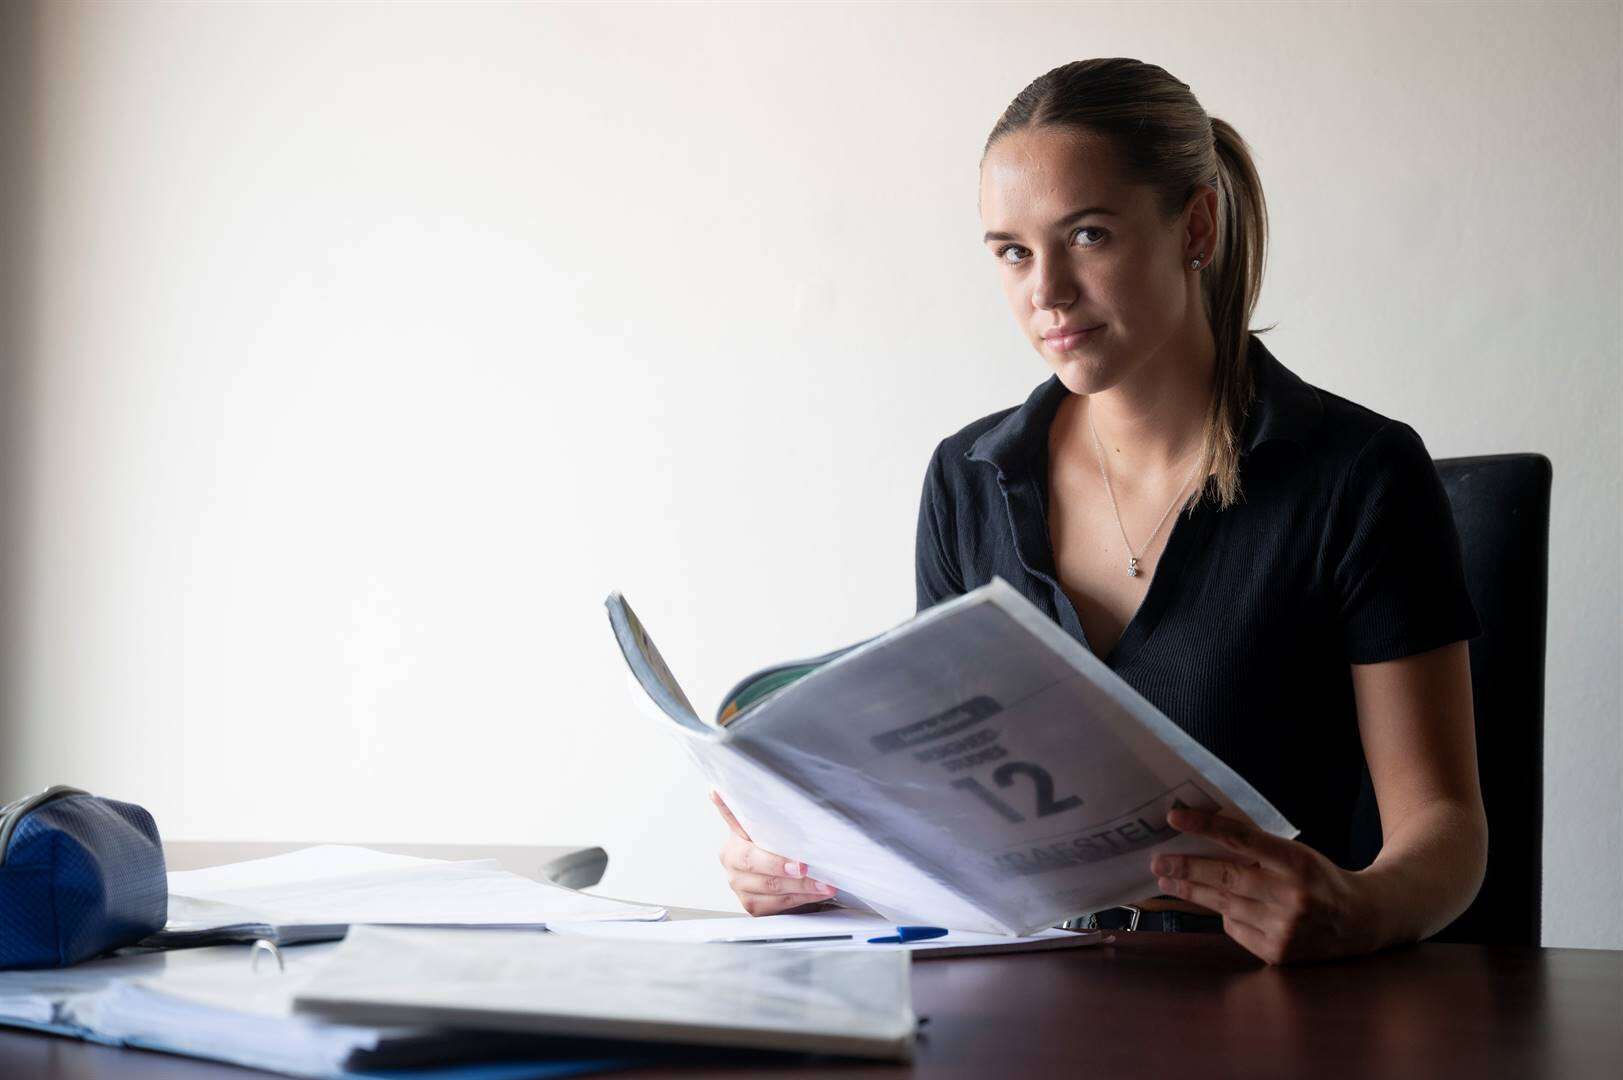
(1099, 454)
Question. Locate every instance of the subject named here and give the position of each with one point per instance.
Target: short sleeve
(935, 566)
(1399, 578)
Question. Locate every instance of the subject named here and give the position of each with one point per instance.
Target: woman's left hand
(1279, 898)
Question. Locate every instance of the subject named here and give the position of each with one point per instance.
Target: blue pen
(905, 934)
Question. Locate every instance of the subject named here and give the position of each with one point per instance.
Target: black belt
(1131, 918)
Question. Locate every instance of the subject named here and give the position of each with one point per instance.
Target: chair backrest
(1502, 509)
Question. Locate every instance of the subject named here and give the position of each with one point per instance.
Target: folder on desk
(215, 1003)
(856, 1003)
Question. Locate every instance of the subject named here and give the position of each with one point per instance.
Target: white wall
(369, 347)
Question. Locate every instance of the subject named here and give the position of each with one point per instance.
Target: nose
(1055, 287)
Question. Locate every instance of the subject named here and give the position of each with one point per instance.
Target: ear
(1200, 224)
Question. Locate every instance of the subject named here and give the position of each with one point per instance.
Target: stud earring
(1194, 264)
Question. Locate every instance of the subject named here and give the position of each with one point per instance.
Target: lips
(1064, 341)
(1067, 331)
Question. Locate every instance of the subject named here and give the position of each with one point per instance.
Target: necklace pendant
(1132, 566)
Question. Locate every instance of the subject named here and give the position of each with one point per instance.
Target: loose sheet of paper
(861, 925)
(338, 884)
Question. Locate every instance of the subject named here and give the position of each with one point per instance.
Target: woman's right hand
(765, 884)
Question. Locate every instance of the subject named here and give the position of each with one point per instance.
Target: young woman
(1274, 567)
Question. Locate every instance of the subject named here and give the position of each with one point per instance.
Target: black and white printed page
(988, 749)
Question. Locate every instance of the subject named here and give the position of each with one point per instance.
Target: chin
(1082, 373)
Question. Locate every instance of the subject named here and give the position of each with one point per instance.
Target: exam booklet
(975, 767)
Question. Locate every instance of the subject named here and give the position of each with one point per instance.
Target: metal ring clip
(265, 945)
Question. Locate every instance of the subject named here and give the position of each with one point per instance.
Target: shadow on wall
(20, 30)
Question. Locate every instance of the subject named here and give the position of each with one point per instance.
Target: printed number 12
(1004, 776)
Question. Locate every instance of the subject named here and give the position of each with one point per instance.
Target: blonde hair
(1166, 142)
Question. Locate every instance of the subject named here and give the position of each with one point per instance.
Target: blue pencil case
(79, 875)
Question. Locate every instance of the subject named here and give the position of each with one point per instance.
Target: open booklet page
(975, 767)
(753, 689)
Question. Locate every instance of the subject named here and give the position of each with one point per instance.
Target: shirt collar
(1284, 408)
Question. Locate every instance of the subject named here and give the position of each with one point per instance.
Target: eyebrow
(1074, 215)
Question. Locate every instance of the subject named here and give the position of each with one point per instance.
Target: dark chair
(1502, 509)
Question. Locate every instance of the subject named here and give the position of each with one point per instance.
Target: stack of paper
(215, 1003)
(856, 1002)
(319, 892)
(121, 1000)
(409, 997)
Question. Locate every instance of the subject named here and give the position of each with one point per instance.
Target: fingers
(1230, 905)
(742, 856)
(1269, 850)
(1243, 916)
(1225, 874)
(776, 886)
(788, 904)
(768, 884)
(764, 882)
(773, 894)
(727, 815)
(1254, 941)
(1287, 904)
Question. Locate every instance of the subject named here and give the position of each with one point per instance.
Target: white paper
(845, 1002)
(341, 885)
(860, 925)
(209, 1002)
(305, 864)
(976, 767)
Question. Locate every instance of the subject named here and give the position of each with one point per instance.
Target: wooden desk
(1167, 1005)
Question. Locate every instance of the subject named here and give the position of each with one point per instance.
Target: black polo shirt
(1342, 551)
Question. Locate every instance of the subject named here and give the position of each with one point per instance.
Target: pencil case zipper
(12, 814)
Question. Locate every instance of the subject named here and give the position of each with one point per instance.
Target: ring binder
(265, 945)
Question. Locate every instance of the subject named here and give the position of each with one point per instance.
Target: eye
(1002, 251)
